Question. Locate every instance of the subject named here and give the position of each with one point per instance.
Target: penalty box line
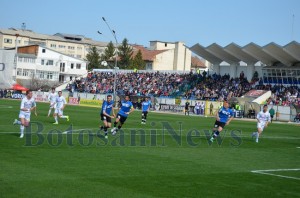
(267, 172)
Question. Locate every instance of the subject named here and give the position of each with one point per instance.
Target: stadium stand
(189, 86)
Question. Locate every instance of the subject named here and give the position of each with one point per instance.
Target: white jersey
(27, 104)
(202, 106)
(263, 117)
(52, 97)
(60, 102)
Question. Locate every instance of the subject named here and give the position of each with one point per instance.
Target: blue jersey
(146, 105)
(225, 114)
(125, 108)
(107, 107)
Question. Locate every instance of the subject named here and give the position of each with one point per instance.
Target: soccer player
(27, 105)
(187, 108)
(125, 110)
(263, 119)
(223, 118)
(60, 103)
(105, 114)
(145, 109)
(52, 97)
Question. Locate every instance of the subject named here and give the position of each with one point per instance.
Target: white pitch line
(267, 172)
(159, 134)
(5, 107)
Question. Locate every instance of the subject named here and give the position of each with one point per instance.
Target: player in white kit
(60, 103)
(263, 119)
(52, 97)
(27, 105)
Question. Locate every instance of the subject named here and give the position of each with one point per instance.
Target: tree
(109, 52)
(138, 61)
(125, 53)
(93, 58)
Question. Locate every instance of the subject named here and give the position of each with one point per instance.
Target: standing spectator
(272, 113)
(242, 75)
(78, 99)
(197, 107)
(202, 107)
(211, 108)
(187, 108)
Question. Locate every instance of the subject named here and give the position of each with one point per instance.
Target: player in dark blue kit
(105, 114)
(223, 118)
(125, 110)
(145, 109)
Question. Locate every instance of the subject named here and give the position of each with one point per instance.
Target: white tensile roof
(288, 55)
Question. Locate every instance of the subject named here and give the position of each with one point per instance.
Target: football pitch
(170, 156)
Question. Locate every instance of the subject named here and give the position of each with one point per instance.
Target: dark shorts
(104, 117)
(219, 124)
(272, 116)
(121, 118)
(144, 113)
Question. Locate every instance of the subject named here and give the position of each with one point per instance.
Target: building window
(49, 75)
(78, 66)
(61, 78)
(42, 62)
(43, 50)
(19, 72)
(72, 65)
(149, 66)
(49, 62)
(26, 42)
(79, 48)
(166, 44)
(25, 72)
(62, 67)
(8, 40)
(78, 56)
(53, 45)
(61, 46)
(40, 74)
(71, 47)
(26, 60)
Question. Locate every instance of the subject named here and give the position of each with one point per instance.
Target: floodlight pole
(113, 32)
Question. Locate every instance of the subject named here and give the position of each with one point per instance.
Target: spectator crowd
(189, 86)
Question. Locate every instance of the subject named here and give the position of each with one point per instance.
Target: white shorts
(52, 105)
(59, 112)
(261, 125)
(25, 115)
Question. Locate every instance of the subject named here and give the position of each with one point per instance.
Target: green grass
(167, 167)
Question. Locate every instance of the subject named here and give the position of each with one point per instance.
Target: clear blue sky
(191, 21)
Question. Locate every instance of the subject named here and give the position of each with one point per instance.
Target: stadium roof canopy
(270, 54)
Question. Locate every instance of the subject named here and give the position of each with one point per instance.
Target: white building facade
(176, 56)
(40, 63)
(70, 44)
